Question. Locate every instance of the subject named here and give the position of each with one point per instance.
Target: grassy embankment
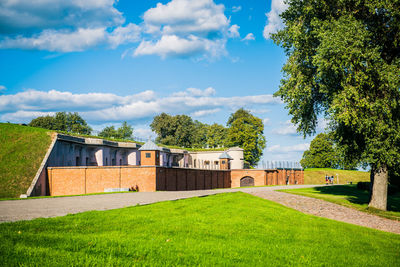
(350, 196)
(233, 229)
(22, 150)
(317, 176)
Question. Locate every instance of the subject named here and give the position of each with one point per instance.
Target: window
(207, 162)
(223, 162)
(148, 155)
(216, 163)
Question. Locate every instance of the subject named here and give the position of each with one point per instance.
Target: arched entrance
(247, 181)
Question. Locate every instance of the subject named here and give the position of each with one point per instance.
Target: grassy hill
(317, 176)
(22, 149)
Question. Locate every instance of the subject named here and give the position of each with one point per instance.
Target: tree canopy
(123, 132)
(63, 121)
(243, 130)
(246, 131)
(324, 153)
(344, 63)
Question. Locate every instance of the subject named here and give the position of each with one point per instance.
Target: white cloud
(172, 45)
(266, 121)
(236, 9)
(287, 129)
(122, 35)
(101, 107)
(63, 26)
(289, 149)
(2, 88)
(62, 41)
(249, 37)
(233, 31)
(27, 16)
(274, 21)
(185, 28)
(205, 112)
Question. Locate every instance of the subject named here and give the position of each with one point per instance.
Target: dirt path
(15, 210)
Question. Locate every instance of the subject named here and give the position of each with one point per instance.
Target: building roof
(149, 145)
(225, 155)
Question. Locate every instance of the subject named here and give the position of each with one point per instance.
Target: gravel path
(16, 210)
(330, 210)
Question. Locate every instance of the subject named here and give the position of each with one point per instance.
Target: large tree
(344, 63)
(246, 131)
(173, 130)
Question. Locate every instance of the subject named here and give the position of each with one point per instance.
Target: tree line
(242, 129)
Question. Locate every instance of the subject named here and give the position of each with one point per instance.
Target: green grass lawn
(233, 229)
(317, 176)
(350, 196)
(22, 150)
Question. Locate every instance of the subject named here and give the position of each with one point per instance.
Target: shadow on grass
(358, 196)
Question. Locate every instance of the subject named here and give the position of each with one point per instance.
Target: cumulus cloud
(63, 26)
(184, 28)
(274, 22)
(179, 28)
(287, 129)
(102, 107)
(249, 37)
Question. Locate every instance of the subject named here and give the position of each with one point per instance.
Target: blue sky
(115, 61)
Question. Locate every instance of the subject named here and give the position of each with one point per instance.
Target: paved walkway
(15, 210)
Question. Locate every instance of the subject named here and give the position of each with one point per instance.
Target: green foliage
(246, 131)
(344, 62)
(62, 121)
(324, 153)
(123, 132)
(173, 130)
(216, 135)
(321, 153)
(233, 229)
(350, 196)
(22, 150)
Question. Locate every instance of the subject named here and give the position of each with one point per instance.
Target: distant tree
(246, 131)
(125, 131)
(217, 135)
(62, 121)
(46, 122)
(199, 134)
(109, 132)
(173, 130)
(321, 153)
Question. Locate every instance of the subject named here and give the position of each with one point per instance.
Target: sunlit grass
(233, 229)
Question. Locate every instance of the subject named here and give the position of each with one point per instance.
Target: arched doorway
(247, 181)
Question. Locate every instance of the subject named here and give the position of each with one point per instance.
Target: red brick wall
(85, 180)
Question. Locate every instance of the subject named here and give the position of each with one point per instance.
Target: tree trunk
(371, 183)
(379, 189)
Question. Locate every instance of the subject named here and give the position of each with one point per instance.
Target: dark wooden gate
(247, 181)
